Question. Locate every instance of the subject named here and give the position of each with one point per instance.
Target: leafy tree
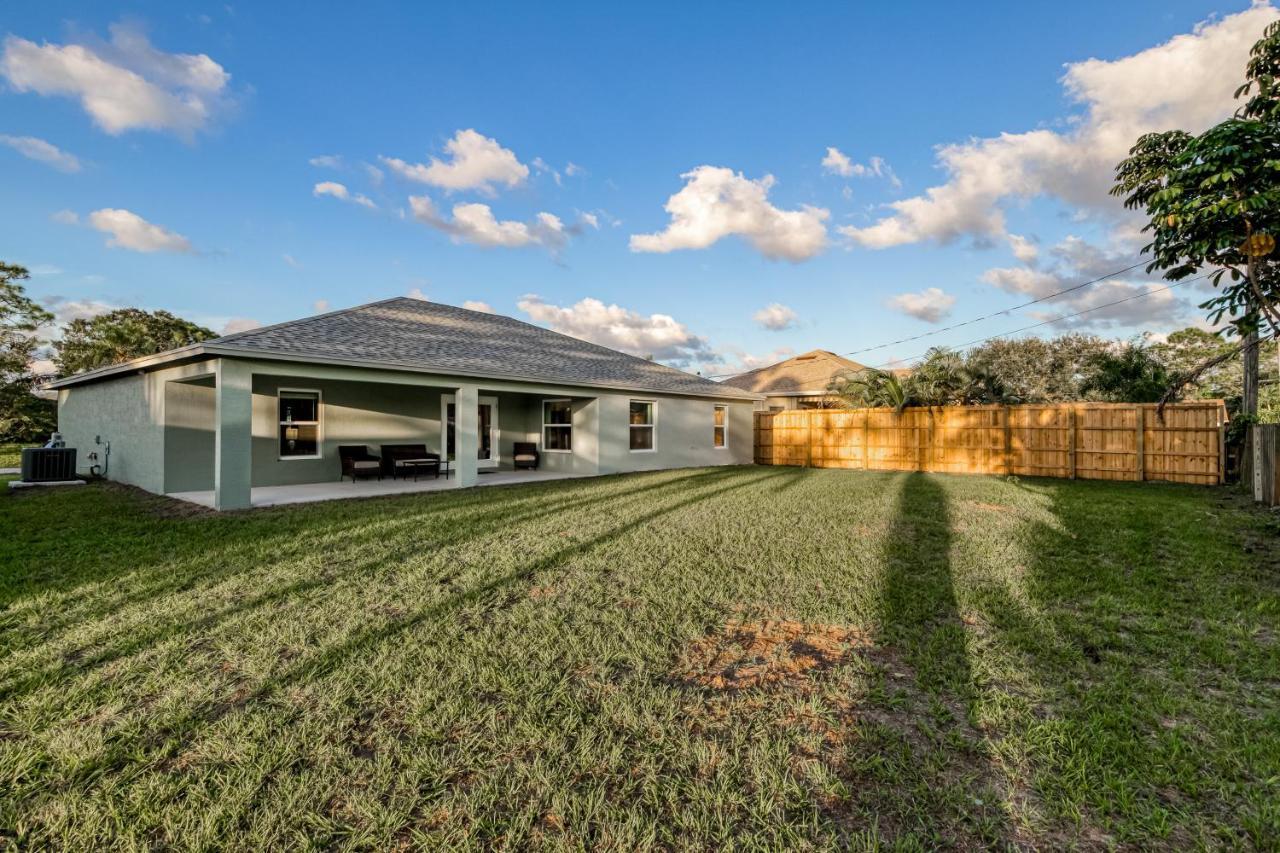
(1186, 349)
(1214, 202)
(1131, 374)
(121, 335)
(1036, 370)
(24, 416)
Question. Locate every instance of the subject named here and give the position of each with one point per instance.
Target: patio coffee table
(415, 465)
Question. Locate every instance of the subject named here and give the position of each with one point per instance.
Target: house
(269, 407)
(799, 382)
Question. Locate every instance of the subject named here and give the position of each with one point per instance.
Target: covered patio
(263, 496)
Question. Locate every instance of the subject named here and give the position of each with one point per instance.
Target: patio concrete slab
(306, 493)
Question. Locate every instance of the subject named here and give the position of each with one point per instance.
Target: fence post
(866, 440)
(1008, 440)
(1141, 427)
(1071, 442)
(808, 438)
(1222, 446)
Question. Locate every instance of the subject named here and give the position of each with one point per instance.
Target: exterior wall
(125, 413)
(162, 425)
(190, 410)
(128, 413)
(684, 434)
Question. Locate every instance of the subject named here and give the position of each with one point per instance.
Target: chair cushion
(525, 457)
(365, 463)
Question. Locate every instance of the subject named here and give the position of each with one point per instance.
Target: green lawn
(756, 657)
(11, 454)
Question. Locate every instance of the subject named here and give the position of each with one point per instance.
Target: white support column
(233, 436)
(466, 435)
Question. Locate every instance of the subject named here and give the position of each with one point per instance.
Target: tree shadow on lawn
(1149, 725)
(436, 526)
(166, 735)
(920, 770)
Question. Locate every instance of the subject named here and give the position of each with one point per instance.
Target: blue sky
(255, 163)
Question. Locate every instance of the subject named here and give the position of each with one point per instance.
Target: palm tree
(870, 388)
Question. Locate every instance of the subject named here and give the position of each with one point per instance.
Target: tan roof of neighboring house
(808, 373)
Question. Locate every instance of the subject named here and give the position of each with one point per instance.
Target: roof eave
(212, 349)
(146, 362)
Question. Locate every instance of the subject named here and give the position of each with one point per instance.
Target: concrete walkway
(306, 493)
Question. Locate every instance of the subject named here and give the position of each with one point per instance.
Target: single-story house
(799, 382)
(271, 406)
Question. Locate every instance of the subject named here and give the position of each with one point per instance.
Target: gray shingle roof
(416, 334)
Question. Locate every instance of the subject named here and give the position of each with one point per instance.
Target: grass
(11, 454)
(1014, 663)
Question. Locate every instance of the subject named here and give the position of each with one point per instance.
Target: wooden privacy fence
(1099, 441)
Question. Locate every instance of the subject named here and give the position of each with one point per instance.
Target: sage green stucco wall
(683, 434)
(188, 436)
(126, 413)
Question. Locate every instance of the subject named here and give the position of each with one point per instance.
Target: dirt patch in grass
(745, 655)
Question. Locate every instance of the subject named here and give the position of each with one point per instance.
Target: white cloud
(573, 169)
(327, 161)
(717, 202)
(416, 293)
(240, 324)
(476, 163)
(656, 335)
(41, 151)
(65, 217)
(123, 85)
(128, 230)
(836, 162)
(339, 191)
(320, 306)
(1187, 82)
(731, 360)
(476, 224)
(375, 174)
(65, 310)
(477, 305)
(592, 220)
(543, 166)
(1025, 250)
(291, 261)
(1075, 261)
(931, 305)
(776, 317)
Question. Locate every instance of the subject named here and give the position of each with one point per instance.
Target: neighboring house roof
(808, 373)
(414, 334)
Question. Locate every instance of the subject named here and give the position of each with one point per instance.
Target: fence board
(1100, 441)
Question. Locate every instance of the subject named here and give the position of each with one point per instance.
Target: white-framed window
(557, 426)
(641, 424)
(299, 434)
(720, 428)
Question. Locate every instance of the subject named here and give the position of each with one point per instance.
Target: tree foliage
(24, 416)
(1068, 368)
(1213, 202)
(1131, 373)
(121, 335)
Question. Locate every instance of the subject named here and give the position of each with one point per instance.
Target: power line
(1142, 295)
(954, 326)
(1044, 298)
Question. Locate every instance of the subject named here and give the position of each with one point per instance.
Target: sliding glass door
(486, 424)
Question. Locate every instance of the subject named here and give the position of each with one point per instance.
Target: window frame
(546, 447)
(318, 423)
(724, 427)
(652, 426)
